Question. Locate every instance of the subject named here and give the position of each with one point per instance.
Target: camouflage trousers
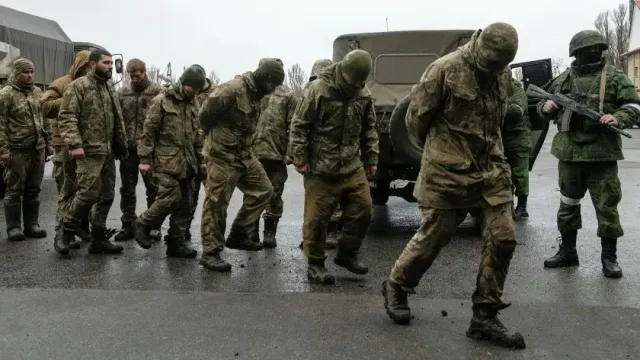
(195, 194)
(222, 180)
(95, 191)
(23, 176)
(436, 229)
(321, 196)
(519, 163)
(277, 173)
(173, 198)
(64, 175)
(601, 179)
(129, 181)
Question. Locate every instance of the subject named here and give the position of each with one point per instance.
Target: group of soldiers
(467, 110)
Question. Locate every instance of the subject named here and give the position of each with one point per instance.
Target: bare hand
(5, 158)
(370, 170)
(609, 119)
(303, 169)
(549, 107)
(77, 153)
(144, 169)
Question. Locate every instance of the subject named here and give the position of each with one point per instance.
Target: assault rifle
(571, 107)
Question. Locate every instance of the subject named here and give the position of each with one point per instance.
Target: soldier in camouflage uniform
(170, 142)
(91, 125)
(23, 144)
(229, 118)
(334, 223)
(588, 153)
(516, 139)
(135, 99)
(456, 112)
(64, 167)
(270, 143)
(334, 144)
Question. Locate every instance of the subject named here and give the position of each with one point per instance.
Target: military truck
(399, 60)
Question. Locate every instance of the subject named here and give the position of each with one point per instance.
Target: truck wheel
(380, 193)
(404, 146)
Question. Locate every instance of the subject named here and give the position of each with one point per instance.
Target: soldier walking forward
(91, 125)
(456, 111)
(588, 153)
(23, 144)
(170, 141)
(229, 118)
(334, 144)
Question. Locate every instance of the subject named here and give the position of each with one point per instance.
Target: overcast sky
(231, 36)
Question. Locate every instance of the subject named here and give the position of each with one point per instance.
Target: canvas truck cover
(399, 58)
(38, 39)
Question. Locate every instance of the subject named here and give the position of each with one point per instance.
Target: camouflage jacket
(459, 123)
(593, 142)
(52, 97)
(209, 87)
(334, 137)
(134, 106)
(516, 130)
(231, 112)
(90, 117)
(171, 139)
(272, 135)
(21, 122)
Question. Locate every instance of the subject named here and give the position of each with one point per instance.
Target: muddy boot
(318, 274)
(141, 234)
(238, 241)
(270, 227)
(83, 232)
(61, 240)
(255, 232)
(179, 249)
(331, 242)
(349, 260)
(332, 235)
(485, 325)
(521, 209)
(100, 244)
(567, 255)
(30, 215)
(610, 266)
(126, 233)
(13, 218)
(395, 302)
(214, 263)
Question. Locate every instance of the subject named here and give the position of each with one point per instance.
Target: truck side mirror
(118, 64)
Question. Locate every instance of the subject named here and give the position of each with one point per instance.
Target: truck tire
(404, 147)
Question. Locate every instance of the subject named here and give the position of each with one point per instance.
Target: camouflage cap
(136, 65)
(357, 65)
(194, 76)
(21, 65)
(497, 45)
(318, 66)
(269, 71)
(585, 39)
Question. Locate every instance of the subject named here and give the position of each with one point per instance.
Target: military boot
(610, 266)
(155, 234)
(83, 232)
(141, 233)
(567, 255)
(333, 231)
(100, 244)
(126, 233)
(270, 229)
(73, 244)
(318, 274)
(349, 260)
(395, 301)
(521, 209)
(239, 241)
(179, 249)
(485, 325)
(61, 240)
(214, 263)
(13, 218)
(255, 232)
(30, 215)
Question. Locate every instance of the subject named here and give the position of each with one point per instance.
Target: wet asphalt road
(142, 305)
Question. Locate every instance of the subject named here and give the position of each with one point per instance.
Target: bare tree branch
(215, 79)
(152, 72)
(615, 26)
(296, 78)
(557, 66)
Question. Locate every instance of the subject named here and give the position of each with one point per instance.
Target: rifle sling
(603, 85)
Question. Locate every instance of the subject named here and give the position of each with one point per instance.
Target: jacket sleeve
(426, 98)
(214, 107)
(291, 108)
(304, 118)
(369, 144)
(50, 103)
(4, 123)
(152, 123)
(627, 101)
(518, 102)
(70, 110)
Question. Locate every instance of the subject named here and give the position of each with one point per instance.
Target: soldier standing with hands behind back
(588, 153)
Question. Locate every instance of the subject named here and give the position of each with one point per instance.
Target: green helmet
(585, 39)
(357, 65)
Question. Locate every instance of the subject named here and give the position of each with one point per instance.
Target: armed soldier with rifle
(588, 144)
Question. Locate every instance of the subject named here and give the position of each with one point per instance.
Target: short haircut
(97, 54)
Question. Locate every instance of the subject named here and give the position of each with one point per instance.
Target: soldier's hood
(247, 78)
(328, 75)
(82, 58)
(469, 49)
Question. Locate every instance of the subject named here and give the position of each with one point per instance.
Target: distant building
(632, 56)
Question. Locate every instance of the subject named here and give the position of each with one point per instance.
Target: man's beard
(106, 75)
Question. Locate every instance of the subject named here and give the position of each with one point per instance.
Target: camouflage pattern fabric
(519, 165)
(23, 176)
(129, 177)
(208, 89)
(322, 195)
(64, 174)
(516, 138)
(272, 133)
(174, 198)
(277, 173)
